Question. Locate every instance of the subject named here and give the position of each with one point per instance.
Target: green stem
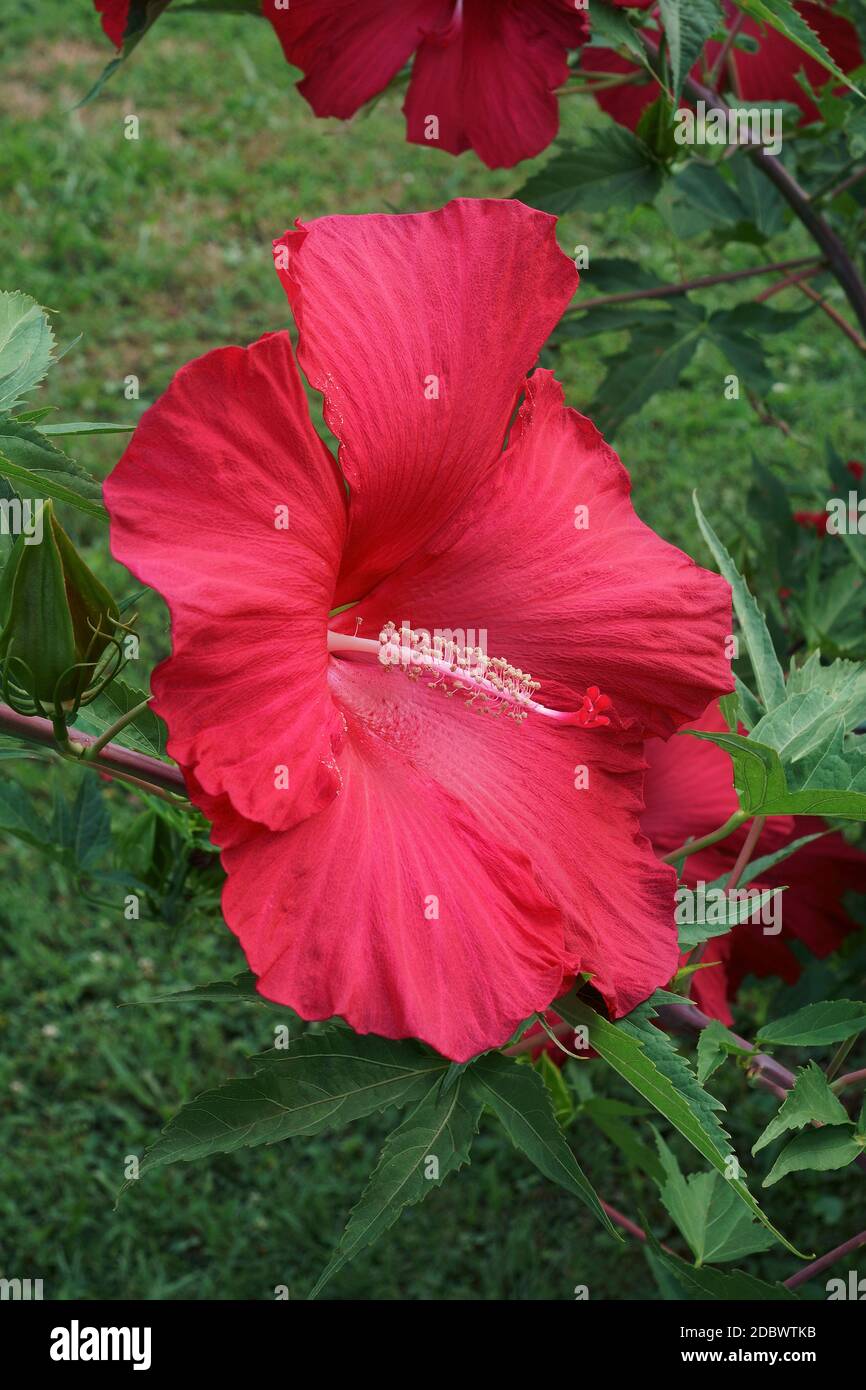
(692, 846)
(114, 729)
(841, 1053)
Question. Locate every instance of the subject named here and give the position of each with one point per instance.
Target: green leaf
(782, 16)
(518, 1097)
(816, 1025)
(242, 986)
(432, 1142)
(727, 1286)
(141, 15)
(18, 818)
(687, 25)
(38, 470)
(653, 361)
(86, 427)
(716, 1225)
(829, 782)
(739, 905)
(681, 1100)
(809, 1101)
(612, 169)
(715, 1043)
(326, 1080)
(612, 1118)
(612, 28)
(697, 199)
(765, 664)
(818, 1150)
(146, 733)
(26, 347)
(758, 867)
(561, 1097)
(91, 823)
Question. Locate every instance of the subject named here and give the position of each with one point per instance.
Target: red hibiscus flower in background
(770, 74)
(114, 15)
(689, 791)
(485, 72)
(395, 857)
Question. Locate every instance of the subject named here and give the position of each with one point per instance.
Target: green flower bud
(56, 623)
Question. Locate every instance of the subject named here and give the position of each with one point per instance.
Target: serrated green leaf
(687, 25)
(561, 1097)
(816, 1025)
(727, 1286)
(654, 360)
(715, 1224)
(829, 782)
(715, 1043)
(816, 1150)
(324, 1081)
(782, 16)
(242, 986)
(769, 676)
(18, 818)
(740, 905)
(146, 733)
(517, 1096)
(85, 427)
(689, 1108)
(91, 823)
(809, 1101)
(26, 347)
(612, 169)
(441, 1127)
(611, 28)
(38, 470)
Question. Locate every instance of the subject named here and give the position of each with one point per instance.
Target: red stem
(817, 1266)
(111, 758)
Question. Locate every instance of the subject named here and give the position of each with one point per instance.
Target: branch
(113, 759)
(701, 283)
(798, 199)
(818, 1266)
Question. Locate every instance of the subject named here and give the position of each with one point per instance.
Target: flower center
(489, 684)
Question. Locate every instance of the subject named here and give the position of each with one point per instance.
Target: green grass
(157, 250)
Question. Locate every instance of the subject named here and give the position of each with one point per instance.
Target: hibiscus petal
(194, 508)
(114, 15)
(490, 81)
(609, 605)
(520, 783)
(419, 329)
(350, 51)
(394, 910)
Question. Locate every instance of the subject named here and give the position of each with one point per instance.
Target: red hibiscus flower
(430, 848)
(812, 521)
(689, 791)
(768, 74)
(114, 14)
(485, 72)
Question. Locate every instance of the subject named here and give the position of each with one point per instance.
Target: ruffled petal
(489, 81)
(533, 879)
(605, 604)
(198, 505)
(114, 15)
(419, 329)
(396, 911)
(350, 51)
